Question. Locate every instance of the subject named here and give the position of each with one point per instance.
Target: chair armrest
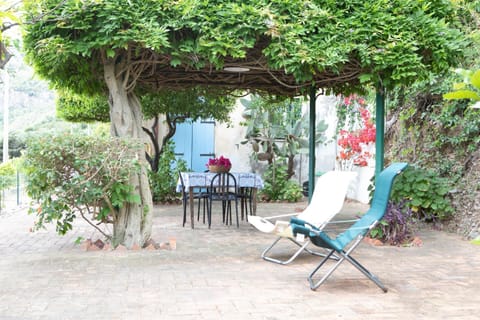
(303, 227)
(300, 222)
(300, 229)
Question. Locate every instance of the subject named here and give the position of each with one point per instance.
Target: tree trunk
(133, 225)
(154, 138)
(154, 159)
(290, 166)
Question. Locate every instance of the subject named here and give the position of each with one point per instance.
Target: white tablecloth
(203, 179)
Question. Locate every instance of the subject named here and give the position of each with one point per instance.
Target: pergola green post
(311, 157)
(380, 130)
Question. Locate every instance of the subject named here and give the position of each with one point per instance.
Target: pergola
(253, 73)
(127, 48)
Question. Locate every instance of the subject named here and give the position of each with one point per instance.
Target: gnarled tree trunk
(133, 225)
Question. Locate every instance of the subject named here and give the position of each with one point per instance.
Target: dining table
(193, 180)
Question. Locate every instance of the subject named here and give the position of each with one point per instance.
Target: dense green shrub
(425, 191)
(417, 194)
(164, 181)
(278, 186)
(71, 175)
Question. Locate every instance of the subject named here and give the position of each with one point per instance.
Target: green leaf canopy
(284, 45)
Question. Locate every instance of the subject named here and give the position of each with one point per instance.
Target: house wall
(228, 141)
(228, 138)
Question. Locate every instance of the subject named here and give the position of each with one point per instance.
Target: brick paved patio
(218, 274)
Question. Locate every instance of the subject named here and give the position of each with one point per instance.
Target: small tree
(71, 175)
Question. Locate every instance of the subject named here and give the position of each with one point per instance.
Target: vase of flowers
(218, 165)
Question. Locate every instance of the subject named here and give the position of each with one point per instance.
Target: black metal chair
(198, 193)
(245, 194)
(223, 187)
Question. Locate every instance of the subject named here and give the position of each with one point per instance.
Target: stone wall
(466, 200)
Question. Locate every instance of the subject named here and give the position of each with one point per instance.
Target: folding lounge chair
(327, 200)
(346, 242)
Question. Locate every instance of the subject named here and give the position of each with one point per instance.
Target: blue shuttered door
(203, 144)
(183, 142)
(195, 143)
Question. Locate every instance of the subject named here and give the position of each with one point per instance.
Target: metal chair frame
(199, 195)
(327, 201)
(344, 243)
(223, 187)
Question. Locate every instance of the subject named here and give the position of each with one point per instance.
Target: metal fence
(15, 197)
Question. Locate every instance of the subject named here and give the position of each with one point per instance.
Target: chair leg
(209, 212)
(343, 256)
(236, 212)
(198, 210)
(229, 212)
(198, 213)
(242, 207)
(184, 212)
(204, 204)
(314, 285)
(367, 273)
(203, 210)
(223, 212)
(303, 247)
(250, 202)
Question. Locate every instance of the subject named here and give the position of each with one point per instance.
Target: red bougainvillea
(354, 145)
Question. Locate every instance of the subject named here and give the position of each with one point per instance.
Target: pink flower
(221, 161)
(353, 143)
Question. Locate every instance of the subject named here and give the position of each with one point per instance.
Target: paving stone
(217, 273)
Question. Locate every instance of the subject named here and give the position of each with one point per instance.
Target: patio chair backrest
(328, 197)
(223, 186)
(383, 187)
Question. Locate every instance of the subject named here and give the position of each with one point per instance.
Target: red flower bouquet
(220, 164)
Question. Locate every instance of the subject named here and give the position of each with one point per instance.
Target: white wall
(228, 141)
(324, 153)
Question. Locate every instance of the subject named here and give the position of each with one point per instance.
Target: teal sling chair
(343, 244)
(327, 200)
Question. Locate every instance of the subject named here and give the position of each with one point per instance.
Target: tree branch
(153, 138)
(5, 55)
(172, 128)
(109, 237)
